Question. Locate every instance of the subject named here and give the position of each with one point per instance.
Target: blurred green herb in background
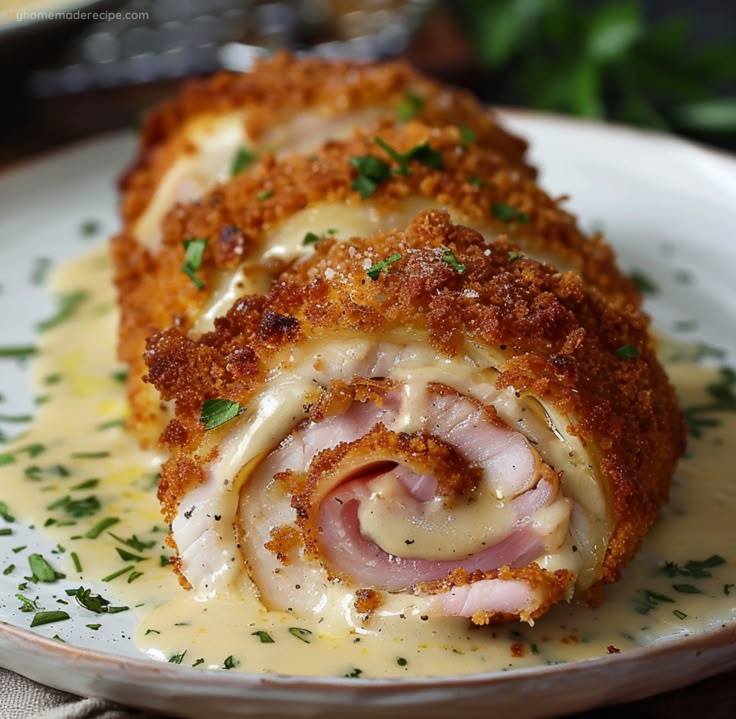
(604, 60)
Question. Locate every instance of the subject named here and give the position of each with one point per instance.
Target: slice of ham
(342, 556)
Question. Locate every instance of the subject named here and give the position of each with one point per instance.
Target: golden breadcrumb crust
(562, 342)
(477, 182)
(283, 86)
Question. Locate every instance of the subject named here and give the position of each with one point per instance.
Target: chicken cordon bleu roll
(416, 423)
(217, 127)
(236, 239)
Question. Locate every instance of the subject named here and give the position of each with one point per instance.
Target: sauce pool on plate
(81, 481)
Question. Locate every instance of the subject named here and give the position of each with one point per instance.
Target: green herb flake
(93, 627)
(451, 260)
(242, 159)
(194, 252)
(679, 614)
(198, 662)
(477, 182)
(382, 266)
(8, 570)
(723, 399)
(231, 662)
(311, 238)
(646, 600)
(77, 563)
(151, 631)
(467, 136)
(264, 195)
(16, 418)
(507, 213)
(265, 637)
(643, 283)
(216, 412)
(401, 661)
(133, 542)
(303, 635)
(18, 352)
(6, 532)
(371, 172)
(90, 455)
(410, 106)
(127, 556)
(354, 673)
(83, 507)
(100, 527)
(133, 576)
(26, 604)
(117, 574)
(90, 483)
(726, 589)
(42, 571)
(627, 352)
(68, 303)
(5, 513)
(89, 228)
(42, 618)
(177, 658)
(423, 154)
(686, 589)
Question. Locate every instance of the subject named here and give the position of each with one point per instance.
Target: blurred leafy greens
(603, 60)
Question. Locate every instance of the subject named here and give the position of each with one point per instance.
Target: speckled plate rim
(667, 664)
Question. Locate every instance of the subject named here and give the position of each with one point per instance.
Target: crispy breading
(559, 339)
(155, 293)
(283, 86)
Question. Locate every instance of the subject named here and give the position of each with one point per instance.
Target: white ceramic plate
(667, 206)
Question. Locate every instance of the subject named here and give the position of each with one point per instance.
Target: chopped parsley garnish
(401, 661)
(5, 513)
(303, 635)
(231, 662)
(93, 627)
(311, 238)
(423, 154)
(513, 256)
(78, 507)
(6, 532)
(410, 106)
(26, 604)
(679, 614)
(627, 352)
(198, 662)
(507, 213)
(100, 527)
(264, 195)
(117, 574)
(354, 673)
(89, 227)
(693, 568)
(8, 570)
(686, 589)
(726, 588)
(216, 412)
(76, 561)
(177, 658)
(90, 455)
(133, 542)
(242, 159)
(127, 556)
(42, 618)
(723, 394)
(382, 266)
(151, 631)
(68, 303)
(133, 576)
(18, 352)
(120, 376)
(90, 483)
(477, 182)
(265, 637)
(451, 260)
(646, 600)
(95, 603)
(643, 283)
(194, 252)
(466, 135)
(16, 418)
(371, 172)
(42, 570)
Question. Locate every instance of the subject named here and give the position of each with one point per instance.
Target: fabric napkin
(21, 698)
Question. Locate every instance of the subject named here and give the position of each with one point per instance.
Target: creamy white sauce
(696, 524)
